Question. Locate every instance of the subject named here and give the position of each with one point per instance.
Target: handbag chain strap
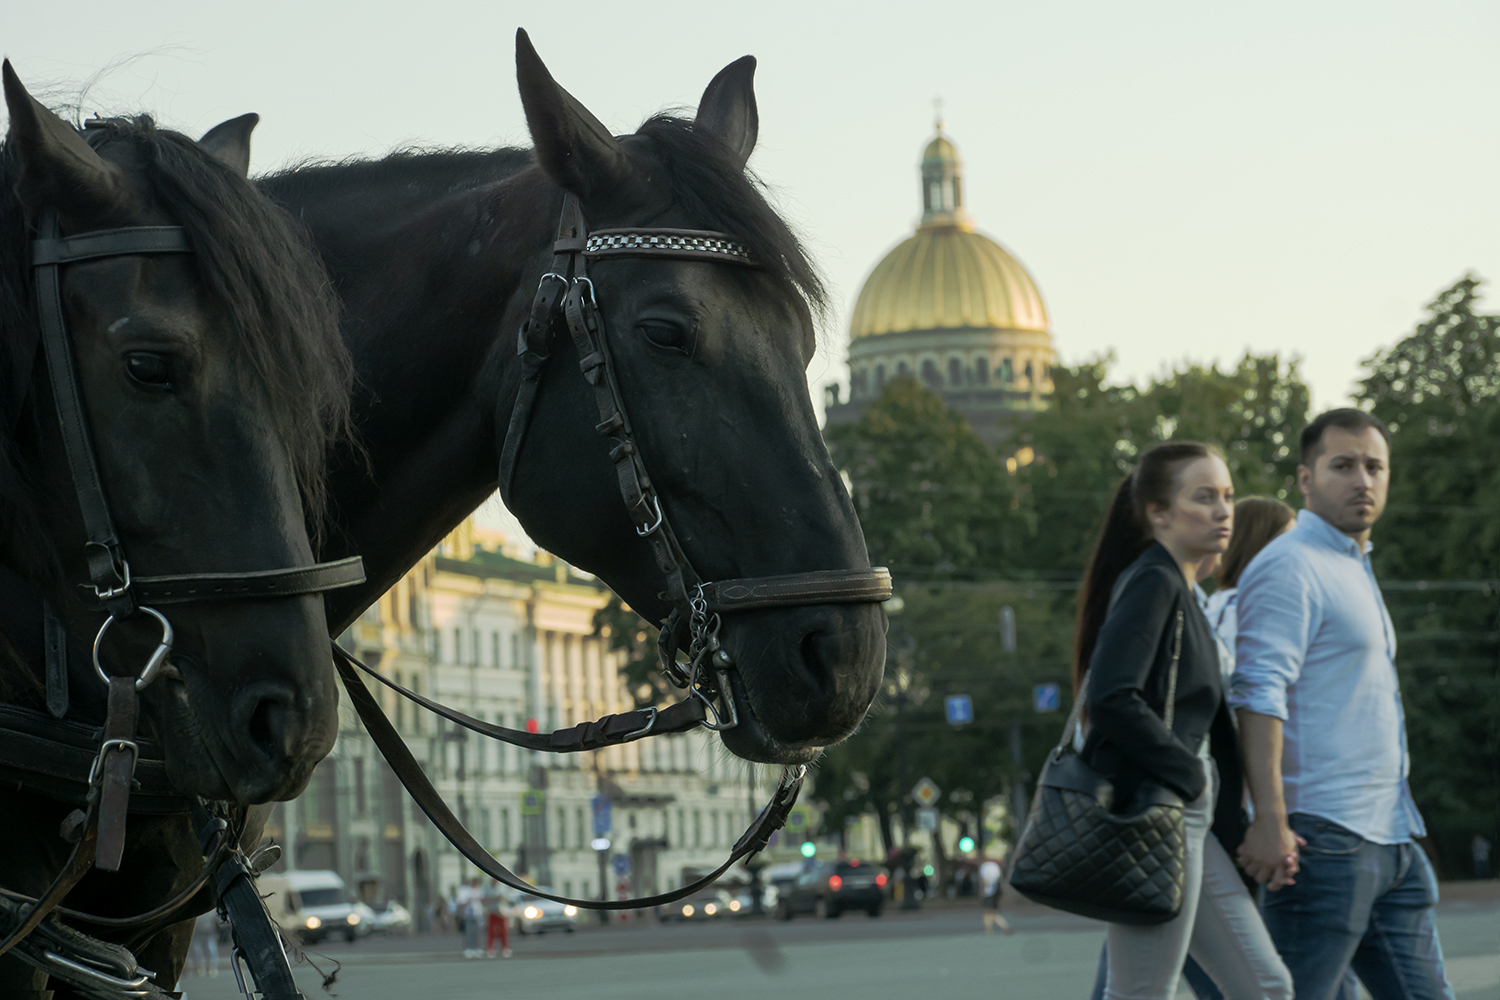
(1070, 728)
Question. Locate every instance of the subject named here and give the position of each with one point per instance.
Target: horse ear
(573, 147)
(229, 142)
(58, 167)
(728, 108)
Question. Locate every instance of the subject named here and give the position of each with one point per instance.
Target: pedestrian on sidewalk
(1315, 687)
(1479, 850)
(204, 951)
(470, 904)
(990, 884)
(496, 920)
(1257, 520)
(1142, 639)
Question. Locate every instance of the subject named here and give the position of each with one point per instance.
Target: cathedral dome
(953, 309)
(947, 277)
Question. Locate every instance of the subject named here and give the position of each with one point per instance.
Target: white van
(311, 904)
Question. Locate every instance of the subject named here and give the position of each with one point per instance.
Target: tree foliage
(1439, 391)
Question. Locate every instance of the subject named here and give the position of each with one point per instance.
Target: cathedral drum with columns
(951, 308)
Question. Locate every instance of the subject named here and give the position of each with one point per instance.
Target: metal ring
(158, 657)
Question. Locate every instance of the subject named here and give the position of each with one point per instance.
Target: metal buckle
(113, 592)
(644, 730)
(580, 280)
(158, 657)
(129, 746)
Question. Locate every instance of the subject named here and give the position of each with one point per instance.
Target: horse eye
(151, 370)
(667, 336)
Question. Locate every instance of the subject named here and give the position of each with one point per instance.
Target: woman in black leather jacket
(1138, 605)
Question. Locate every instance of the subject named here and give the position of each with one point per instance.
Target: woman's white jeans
(1219, 926)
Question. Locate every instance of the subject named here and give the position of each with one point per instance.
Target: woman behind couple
(1168, 519)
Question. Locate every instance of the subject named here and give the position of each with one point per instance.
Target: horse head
(211, 382)
(711, 362)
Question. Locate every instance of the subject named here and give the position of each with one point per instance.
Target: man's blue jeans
(1360, 904)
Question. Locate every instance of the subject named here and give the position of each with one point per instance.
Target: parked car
(708, 905)
(390, 918)
(535, 915)
(828, 888)
(313, 905)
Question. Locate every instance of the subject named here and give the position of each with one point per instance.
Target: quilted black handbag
(1080, 854)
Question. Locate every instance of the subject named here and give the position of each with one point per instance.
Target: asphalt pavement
(940, 949)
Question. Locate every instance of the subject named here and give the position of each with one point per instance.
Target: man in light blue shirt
(1324, 737)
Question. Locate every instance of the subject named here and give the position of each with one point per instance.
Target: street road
(940, 950)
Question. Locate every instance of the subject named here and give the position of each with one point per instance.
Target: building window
(578, 841)
(1028, 369)
(495, 648)
(955, 371)
(1007, 372)
(484, 829)
(437, 646)
(902, 369)
(880, 376)
(930, 373)
(458, 645)
(515, 651)
(681, 828)
(713, 825)
(359, 787)
(504, 829)
(697, 828)
(982, 370)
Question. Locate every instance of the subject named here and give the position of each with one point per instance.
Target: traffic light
(966, 844)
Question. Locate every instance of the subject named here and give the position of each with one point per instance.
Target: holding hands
(1269, 852)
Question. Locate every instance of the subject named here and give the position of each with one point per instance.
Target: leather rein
(566, 298)
(97, 829)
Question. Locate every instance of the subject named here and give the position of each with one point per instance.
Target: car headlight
(570, 911)
(531, 913)
(710, 909)
(734, 905)
(353, 919)
(313, 923)
(687, 910)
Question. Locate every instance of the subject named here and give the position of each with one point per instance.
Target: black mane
(713, 188)
(252, 257)
(705, 180)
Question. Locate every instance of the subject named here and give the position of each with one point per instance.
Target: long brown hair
(1257, 520)
(1124, 535)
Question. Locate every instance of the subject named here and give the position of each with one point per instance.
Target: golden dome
(940, 149)
(947, 277)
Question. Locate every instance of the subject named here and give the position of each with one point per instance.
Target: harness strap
(610, 731)
(115, 765)
(255, 934)
(52, 757)
(79, 862)
(55, 657)
(410, 773)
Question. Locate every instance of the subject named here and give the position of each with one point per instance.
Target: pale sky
(1183, 180)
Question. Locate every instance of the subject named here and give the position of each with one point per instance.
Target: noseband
(565, 297)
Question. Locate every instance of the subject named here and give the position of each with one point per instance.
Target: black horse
(436, 258)
(213, 382)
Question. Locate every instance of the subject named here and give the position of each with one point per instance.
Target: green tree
(1439, 391)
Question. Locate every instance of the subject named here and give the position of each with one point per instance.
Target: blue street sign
(602, 818)
(621, 864)
(959, 709)
(1045, 698)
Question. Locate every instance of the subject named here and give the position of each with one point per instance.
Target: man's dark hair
(1345, 418)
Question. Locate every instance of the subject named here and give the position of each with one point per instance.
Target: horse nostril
(264, 716)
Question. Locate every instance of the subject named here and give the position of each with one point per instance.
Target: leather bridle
(97, 830)
(566, 297)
